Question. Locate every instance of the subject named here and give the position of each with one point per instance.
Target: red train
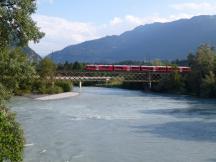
(136, 68)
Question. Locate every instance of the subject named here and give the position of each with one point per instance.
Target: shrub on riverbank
(50, 90)
(65, 85)
(201, 82)
(11, 134)
(11, 137)
(44, 87)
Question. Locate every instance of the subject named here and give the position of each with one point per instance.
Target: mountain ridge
(166, 41)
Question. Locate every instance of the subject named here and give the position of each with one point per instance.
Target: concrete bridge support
(150, 85)
(80, 85)
(149, 81)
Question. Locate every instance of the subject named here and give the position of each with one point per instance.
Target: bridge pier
(149, 81)
(80, 85)
(150, 85)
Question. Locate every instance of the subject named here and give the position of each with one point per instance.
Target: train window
(105, 67)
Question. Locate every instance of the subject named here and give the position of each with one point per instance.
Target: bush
(65, 85)
(11, 137)
(208, 86)
(5, 94)
(50, 89)
(172, 83)
(54, 90)
(43, 87)
(21, 92)
(38, 84)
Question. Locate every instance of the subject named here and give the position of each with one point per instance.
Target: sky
(69, 22)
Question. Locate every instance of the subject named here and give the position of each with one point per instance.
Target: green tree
(190, 59)
(171, 83)
(4, 94)
(66, 65)
(16, 29)
(157, 63)
(11, 134)
(16, 26)
(202, 64)
(47, 68)
(11, 137)
(77, 66)
(208, 85)
(17, 72)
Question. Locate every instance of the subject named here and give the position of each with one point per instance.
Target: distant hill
(166, 41)
(32, 55)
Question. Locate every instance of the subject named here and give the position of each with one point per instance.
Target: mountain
(166, 41)
(32, 55)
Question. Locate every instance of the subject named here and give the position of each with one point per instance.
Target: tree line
(70, 66)
(201, 82)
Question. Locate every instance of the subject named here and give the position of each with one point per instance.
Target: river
(115, 125)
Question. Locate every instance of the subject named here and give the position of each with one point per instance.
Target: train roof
(138, 65)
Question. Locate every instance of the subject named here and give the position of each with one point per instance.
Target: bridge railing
(106, 76)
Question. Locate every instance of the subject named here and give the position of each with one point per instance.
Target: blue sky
(68, 22)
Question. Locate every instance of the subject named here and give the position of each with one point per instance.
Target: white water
(113, 125)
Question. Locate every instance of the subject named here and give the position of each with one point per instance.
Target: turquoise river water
(115, 125)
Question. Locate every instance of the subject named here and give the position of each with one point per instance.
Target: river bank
(53, 97)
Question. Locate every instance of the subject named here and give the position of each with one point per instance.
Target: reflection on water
(114, 125)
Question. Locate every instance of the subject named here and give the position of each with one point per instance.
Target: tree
(208, 85)
(16, 29)
(157, 63)
(11, 137)
(77, 66)
(11, 134)
(47, 68)
(66, 65)
(17, 72)
(4, 94)
(202, 64)
(171, 83)
(16, 26)
(190, 59)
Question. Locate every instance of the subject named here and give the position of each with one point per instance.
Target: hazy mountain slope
(32, 55)
(159, 40)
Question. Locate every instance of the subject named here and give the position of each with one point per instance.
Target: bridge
(106, 77)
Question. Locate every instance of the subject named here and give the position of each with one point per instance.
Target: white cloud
(116, 21)
(45, 1)
(61, 32)
(204, 6)
(131, 21)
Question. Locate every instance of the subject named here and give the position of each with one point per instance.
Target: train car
(147, 68)
(121, 67)
(105, 67)
(91, 68)
(135, 68)
(184, 69)
(171, 69)
(161, 69)
(178, 69)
